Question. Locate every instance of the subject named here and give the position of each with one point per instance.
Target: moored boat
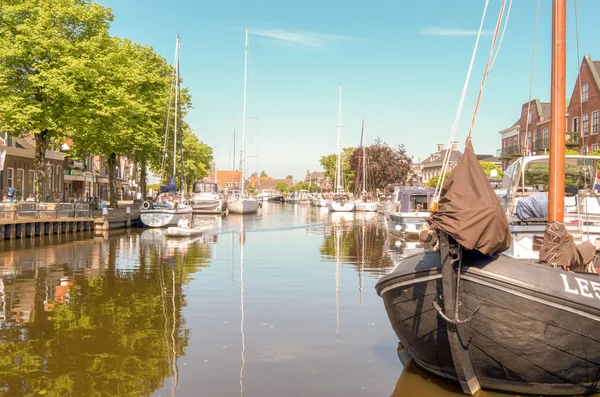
(206, 199)
(406, 215)
(182, 232)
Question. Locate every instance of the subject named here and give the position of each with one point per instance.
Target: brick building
(583, 112)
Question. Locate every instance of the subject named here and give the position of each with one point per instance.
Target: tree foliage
(48, 54)
(197, 157)
(329, 164)
(281, 187)
(433, 181)
(488, 167)
(385, 164)
(263, 174)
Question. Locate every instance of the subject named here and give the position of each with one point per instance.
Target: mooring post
(128, 221)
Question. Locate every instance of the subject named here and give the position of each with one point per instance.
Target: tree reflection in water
(113, 331)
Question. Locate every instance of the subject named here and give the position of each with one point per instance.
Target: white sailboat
(340, 202)
(163, 213)
(241, 203)
(366, 202)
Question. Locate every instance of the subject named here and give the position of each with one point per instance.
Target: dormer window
(529, 118)
(584, 92)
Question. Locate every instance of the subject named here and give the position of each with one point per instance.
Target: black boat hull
(537, 330)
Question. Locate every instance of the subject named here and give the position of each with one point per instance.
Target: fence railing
(30, 210)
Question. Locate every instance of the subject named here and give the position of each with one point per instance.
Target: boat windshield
(579, 174)
(205, 187)
(418, 202)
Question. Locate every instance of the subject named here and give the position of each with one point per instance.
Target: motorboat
(206, 199)
(406, 215)
(183, 232)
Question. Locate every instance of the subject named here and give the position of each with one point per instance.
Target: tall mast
(243, 160)
(556, 188)
(364, 159)
(176, 107)
(338, 176)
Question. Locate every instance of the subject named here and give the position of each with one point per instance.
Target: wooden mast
(556, 188)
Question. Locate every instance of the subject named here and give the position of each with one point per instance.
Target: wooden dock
(24, 228)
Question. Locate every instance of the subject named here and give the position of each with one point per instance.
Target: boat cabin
(413, 200)
(528, 176)
(205, 187)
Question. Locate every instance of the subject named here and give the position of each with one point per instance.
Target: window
(586, 125)
(594, 147)
(595, 122)
(584, 92)
(59, 178)
(10, 177)
(584, 150)
(546, 140)
(529, 118)
(50, 176)
(20, 182)
(575, 124)
(226, 184)
(8, 140)
(31, 181)
(418, 203)
(536, 135)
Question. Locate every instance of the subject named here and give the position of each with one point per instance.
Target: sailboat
(163, 213)
(366, 202)
(469, 313)
(240, 202)
(340, 202)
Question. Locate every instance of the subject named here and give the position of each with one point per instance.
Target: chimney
(440, 147)
(454, 145)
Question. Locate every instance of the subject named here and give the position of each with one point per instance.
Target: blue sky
(402, 63)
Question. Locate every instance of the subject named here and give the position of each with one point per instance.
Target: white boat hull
(207, 206)
(164, 217)
(405, 224)
(337, 206)
(242, 205)
(182, 232)
(366, 206)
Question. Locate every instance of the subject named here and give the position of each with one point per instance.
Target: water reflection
(415, 381)
(102, 315)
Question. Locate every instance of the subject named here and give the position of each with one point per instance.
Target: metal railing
(31, 210)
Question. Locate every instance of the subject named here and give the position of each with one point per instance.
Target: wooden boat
(468, 313)
(183, 232)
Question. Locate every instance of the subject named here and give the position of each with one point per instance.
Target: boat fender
(146, 205)
(427, 236)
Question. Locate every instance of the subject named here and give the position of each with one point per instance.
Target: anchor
(456, 252)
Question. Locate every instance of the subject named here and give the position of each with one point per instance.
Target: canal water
(281, 303)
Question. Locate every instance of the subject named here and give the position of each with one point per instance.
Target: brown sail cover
(559, 249)
(469, 210)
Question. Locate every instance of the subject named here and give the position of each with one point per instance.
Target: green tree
(384, 165)
(432, 182)
(488, 167)
(254, 174)
(125, 113)
(281, 187)
(263, 174)
(289, 177)
(329, 164)
(250, 189)
(197, 157)
(46, 47)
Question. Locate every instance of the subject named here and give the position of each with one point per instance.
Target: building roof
(269, 182)
(228, 176)
(314, 176)
(437, 158)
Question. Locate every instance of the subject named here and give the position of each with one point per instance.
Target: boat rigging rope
(488, 67)
(459, 111)
(491, 59)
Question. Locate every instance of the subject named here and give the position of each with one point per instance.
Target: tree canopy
(281, 187)
(385, 164)
(329, 164)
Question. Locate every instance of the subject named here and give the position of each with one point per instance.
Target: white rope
(440, 183)
(503, 30)
(488, 68)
